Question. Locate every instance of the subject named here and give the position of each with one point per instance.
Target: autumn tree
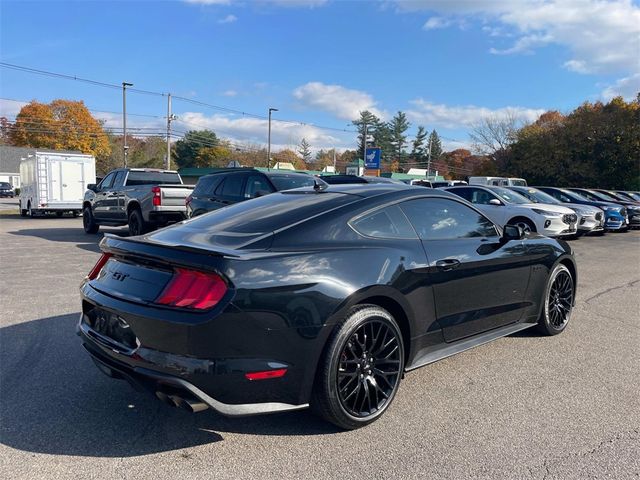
(187, 148)
(304, 149)
(218, 156)
(59, 125)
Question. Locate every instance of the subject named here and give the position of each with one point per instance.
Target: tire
(59, 214)
(137, 225)
(365, 348)
(31, 213)
(88, 222)
(23, 212)
(524, 223)
(558, 302)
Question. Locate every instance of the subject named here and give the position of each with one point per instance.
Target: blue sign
(372, 158)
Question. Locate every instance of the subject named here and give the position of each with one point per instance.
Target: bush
(17, 190)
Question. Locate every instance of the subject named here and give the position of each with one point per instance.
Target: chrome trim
(230, 410)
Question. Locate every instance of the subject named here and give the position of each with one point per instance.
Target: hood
(559, 209)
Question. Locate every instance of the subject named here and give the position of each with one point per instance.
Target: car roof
(374, 189)
(285, 173)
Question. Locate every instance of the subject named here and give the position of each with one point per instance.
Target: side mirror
(495, 201)
(93, 187)
(512, 232)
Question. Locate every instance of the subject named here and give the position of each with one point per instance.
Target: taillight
(98, 266)
(191, 289)
(157, 198)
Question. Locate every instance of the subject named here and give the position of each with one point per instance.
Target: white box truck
(55, 182)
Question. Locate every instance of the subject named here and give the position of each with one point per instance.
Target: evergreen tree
(398, 127)
(418, 150)
(435, 145)
(304, 149)
(373, 124)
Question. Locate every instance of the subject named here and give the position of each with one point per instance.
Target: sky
(446, 63)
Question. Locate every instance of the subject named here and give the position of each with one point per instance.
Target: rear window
(266, 214)
(153, 178)
(287, 182)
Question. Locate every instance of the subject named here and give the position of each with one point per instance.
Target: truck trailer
(55, 182)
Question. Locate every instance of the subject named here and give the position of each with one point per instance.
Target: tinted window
(5, 185)
(255, 184)
(509, 196)
(108, 181)
(388, 222)
(206, 185)
(466, 193)
(119, 181)
(441, 219)
(152, 178)
(231, 187)
(288, 182)
(537, 196)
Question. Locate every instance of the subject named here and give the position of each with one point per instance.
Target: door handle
(447, 264)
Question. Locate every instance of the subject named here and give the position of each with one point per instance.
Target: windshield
(287, 182)
(509, 196)
(517, 182)
(634, 195)
(576, 196)
(137, 177)
(538, 196)
(603, 197)
(5, 185)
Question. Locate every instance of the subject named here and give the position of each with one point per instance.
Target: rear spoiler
(141, 247)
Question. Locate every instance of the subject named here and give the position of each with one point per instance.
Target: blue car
(615, 216)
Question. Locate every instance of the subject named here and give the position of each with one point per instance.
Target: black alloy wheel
(526, 225)
(558, 301)
(362, 368)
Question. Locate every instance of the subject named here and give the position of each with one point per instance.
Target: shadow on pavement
(69, 235)
(55, 401)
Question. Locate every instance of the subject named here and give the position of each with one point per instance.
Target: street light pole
(269, 138)
(124, 119)
(429, 159)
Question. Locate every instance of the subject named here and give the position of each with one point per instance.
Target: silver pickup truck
(141, 198)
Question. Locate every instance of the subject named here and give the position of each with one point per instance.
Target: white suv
(506, 207)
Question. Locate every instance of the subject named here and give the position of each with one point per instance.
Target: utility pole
(124, 119)
(170, 117)
(334, 159)
(429, 158)
(269, 138)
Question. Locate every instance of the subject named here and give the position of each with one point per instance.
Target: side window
(231, 187)
(206, 185)
(481, 197)
(107, 182)
(255, 184)
(466, 193)
(119, 181)
(388, 222)
(444, 219)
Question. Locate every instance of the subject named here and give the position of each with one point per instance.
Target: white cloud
(230, 93)
(602, 36)
(437, 22)
(433, 114)
(228, 19)
(10, 108)
(254, 130)
(340, 101)
(627, 87)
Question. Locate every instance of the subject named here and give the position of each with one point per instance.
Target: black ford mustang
(319, 296)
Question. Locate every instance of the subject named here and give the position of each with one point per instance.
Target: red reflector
(192, 289)
(98, 266)
(157, 198)
(265, 375)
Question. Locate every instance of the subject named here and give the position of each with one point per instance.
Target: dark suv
(233, 185)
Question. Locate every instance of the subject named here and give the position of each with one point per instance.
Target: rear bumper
(166, 216)
(163, 385)
(205, 359)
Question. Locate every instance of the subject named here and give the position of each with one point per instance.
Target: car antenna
(319, 185)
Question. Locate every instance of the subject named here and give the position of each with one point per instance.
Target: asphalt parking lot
(521, 407)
